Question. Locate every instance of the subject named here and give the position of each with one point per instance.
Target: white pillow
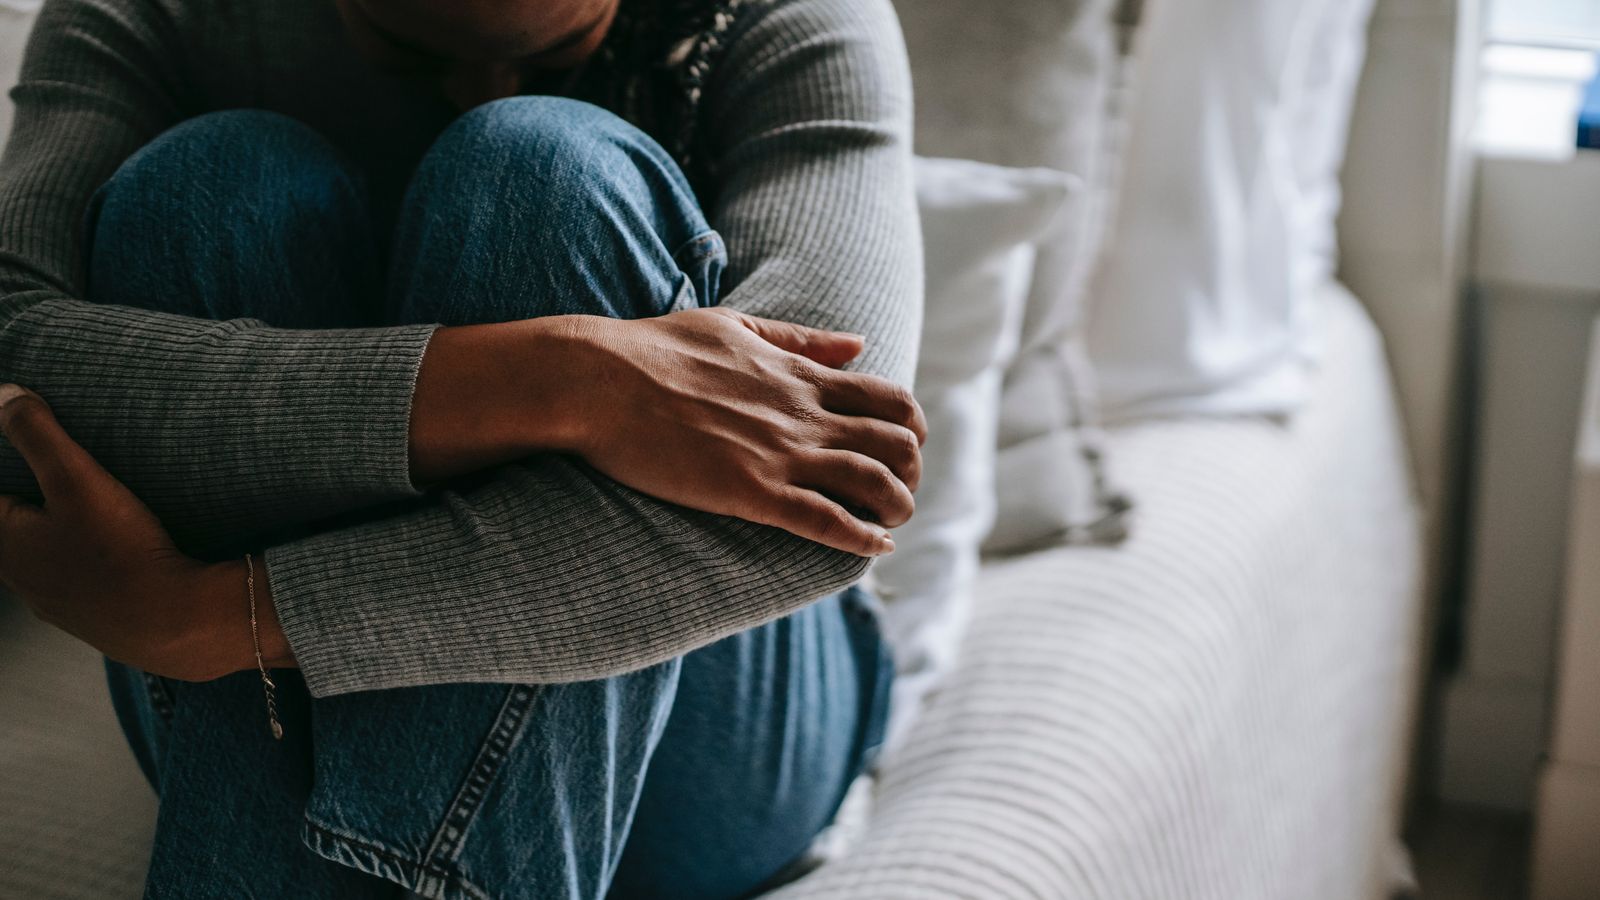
(1224, 229)
(1031, 83)
(1320, 128)
(981, 224)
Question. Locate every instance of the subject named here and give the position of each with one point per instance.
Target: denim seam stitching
(449, 840)
(446, 877)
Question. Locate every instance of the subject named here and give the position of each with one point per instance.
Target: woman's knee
(241, 162)
(550, 143)
(552, 206)
(221, 210)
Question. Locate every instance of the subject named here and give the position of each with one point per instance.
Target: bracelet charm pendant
(267, 687)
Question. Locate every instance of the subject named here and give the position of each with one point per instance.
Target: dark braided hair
(653, 68)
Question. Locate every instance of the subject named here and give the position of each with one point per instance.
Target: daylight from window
(1558, 22)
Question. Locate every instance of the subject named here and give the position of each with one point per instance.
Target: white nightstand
(1537, 288)
(1567, 819)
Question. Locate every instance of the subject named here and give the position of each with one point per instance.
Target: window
(1539, 60)
(1559, 23)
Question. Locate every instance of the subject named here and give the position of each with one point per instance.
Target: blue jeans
(703, 777)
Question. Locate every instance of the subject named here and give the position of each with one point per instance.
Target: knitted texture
(546, 571)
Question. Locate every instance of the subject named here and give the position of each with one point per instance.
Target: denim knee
(553, 144)
(240, 213)
(541, 205)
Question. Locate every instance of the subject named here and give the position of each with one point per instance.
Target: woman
(537, 588)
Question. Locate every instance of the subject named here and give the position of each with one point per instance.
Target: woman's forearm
(490, 394)
(710, 409)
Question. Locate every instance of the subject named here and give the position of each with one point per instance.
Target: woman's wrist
(219, 640)
(490, 394)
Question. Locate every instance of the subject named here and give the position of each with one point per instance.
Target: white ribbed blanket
(1213, 710)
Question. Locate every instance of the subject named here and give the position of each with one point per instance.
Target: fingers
(856, 394)
(12, 509)
(58, 463)
(817, 518)
(830, 348)
(858, 482)
(16, 516)
(896, 446)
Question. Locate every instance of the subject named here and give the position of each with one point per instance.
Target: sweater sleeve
(550, 572)
(224, 428)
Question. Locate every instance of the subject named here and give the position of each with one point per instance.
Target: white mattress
(1213, 710)
(1210, 711)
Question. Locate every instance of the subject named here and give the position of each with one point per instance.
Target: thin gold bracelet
(270, 689)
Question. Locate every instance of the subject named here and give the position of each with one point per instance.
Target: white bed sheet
(1214, 710)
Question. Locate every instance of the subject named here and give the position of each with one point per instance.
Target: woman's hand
(752, 418)
(94, 562)
(707, 408)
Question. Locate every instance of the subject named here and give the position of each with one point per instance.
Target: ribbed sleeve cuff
(226, 429)
(333, 644)
(343, 419)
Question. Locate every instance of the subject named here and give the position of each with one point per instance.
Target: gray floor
(1463, 853)
(74, 810)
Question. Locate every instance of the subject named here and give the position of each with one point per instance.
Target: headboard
(1407, 195)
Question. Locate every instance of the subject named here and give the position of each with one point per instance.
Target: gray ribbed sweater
(545, 571)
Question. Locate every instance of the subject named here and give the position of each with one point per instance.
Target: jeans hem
(435, 874)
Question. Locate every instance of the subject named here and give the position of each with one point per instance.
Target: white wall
(16, 16)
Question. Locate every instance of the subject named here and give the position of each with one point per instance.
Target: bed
(1214, 709)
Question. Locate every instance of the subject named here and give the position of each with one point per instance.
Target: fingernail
(10, 392)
